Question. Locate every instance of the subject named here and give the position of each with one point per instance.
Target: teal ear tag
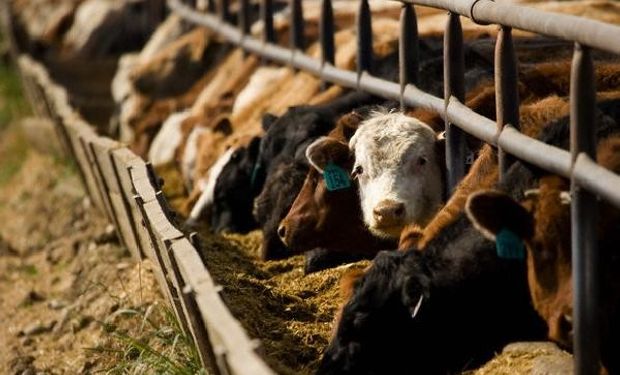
(336, 178)
(509, 245)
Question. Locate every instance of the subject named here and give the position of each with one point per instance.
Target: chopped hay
(291, 313)
(521, 358)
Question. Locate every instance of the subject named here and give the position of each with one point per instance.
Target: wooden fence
(125, 188)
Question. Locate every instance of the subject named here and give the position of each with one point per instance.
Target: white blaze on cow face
(168, 139)
(398, 172)
(208, 186)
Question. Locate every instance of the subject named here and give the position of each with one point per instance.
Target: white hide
(121, 86)
(128, 109)
(190, 153)
(43, 19)
(126, 99)
(262, 77)
(208, 186)
(167, 139)
(398, 160)
(88, 18)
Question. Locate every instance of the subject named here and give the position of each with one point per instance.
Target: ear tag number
(336, 178)
(509, 245)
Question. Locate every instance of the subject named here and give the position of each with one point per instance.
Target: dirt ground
(69, 292)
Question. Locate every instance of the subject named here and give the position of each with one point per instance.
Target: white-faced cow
(397, 166)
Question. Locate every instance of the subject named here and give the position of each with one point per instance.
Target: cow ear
(325, 150)
(223, 126)
(268, 120)
(492, 211)
(349, 124)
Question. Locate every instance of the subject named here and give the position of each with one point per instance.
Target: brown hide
(536, 82)
(295, 88)
(330, 219)
(165, 74)
(549, 251)
(217, 98)
(545, 227)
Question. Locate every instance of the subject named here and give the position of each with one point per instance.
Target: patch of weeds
(13, 154)
(13, 105)
(68, 167)
(28, 269)
(146, 341)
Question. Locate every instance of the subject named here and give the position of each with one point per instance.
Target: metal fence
(588, 179)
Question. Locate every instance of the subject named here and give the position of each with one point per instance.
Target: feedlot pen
(126, 189)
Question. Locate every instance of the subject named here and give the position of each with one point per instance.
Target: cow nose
(282, 233)
(561, 330)
(389, 212)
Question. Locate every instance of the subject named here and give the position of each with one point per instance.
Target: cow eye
(357, 171)
(422, 161)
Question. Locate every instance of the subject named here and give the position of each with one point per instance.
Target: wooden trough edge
(124, 187)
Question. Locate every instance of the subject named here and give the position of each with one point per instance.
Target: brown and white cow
(329, 219)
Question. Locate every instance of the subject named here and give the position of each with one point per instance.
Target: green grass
(13, 153)
(147, 341)
(13, 105)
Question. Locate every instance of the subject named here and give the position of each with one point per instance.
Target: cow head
(235, 190)
(542, 222)
(374, 331)
(398, 169)
(327, 217)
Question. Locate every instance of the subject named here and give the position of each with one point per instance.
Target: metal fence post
(454, 85)
(244, 18)
(408, 50)
(223, 10)
(326, 36)
(297, 25)
(584, 218)
(506, 92)
(266, 13)
(364, 39)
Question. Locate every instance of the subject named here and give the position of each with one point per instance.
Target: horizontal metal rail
(588, 32)
(552, 159)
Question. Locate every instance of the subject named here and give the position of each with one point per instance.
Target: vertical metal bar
(326, 33)
(584, 210)
(266, 12)
(454, 85)
(408, 49)
(244, 17)
(506, 93)
(297, 25)
(364, 38)
(223, 10)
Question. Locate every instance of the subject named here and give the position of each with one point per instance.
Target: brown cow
(329, 219)
(538, 81)
(542, 220)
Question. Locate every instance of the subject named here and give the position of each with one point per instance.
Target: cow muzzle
(389, 213)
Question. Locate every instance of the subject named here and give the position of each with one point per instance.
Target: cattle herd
(341, 175)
